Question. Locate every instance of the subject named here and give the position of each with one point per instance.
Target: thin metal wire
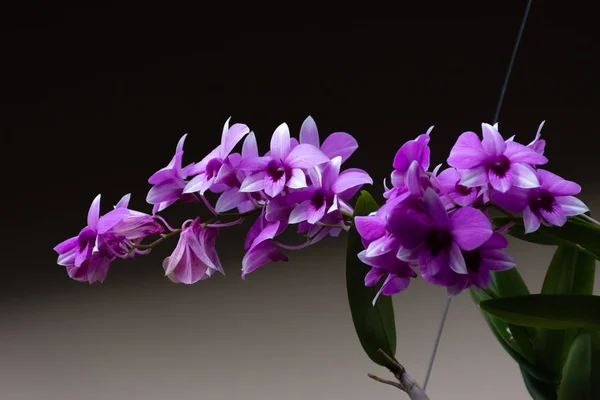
(512, 61)
(496, 115)
(437, 341)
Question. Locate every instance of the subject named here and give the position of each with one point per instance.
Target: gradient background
(95, 99)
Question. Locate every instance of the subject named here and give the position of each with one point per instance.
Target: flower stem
(437, 342)
(157, 241)
(164, 221)
(208, 205)
(225, 224)
(590, 219)
(293, 247)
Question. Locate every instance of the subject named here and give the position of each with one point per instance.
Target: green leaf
(510, 283)
(581, 372)
(575, 231)
(538, 390)
(374, 325)
(550, 311)
(570, 272)
(500, 330)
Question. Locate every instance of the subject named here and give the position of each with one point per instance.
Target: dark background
(94, 100)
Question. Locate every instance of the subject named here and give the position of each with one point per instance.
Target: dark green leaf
(575, 231)
(581, 372)
(374, 325)
(560, 311)
(570, 272)
(500, 330)
(510, 283)
(538, 390)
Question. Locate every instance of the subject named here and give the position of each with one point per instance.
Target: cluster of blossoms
(438, 225)
(297, 183)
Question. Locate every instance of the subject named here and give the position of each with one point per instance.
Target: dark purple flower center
(463, 190)
(275, 170)
(87, 237)
(213, 167)
(500, 165)
(318, 199)
(438, 240)
(472, 260)
(542, 200)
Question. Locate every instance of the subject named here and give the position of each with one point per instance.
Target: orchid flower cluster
(439, 223)
(436, 224)
(297, 183)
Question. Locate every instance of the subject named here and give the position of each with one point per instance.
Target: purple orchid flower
(493, 160)
(80, 254)
(260, 249)
(398, 273)
(480, 263)
(169, 182)
(436, 239)
(551, 203)
(233, 176)
(337, 144)
(448, 182)
(329, 193)
(195, 257)
(283, 167)
(123, 223)
(208, 170)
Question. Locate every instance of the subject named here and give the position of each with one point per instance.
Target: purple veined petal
(409, 229)
(278, 209)
(180, 143)
(253, 183)
(374, 275)
(246, 206)
(200, 167)
(293, 143)
(457, 260)
(492, 141)
(436, 265)
(480, 278)
(339, 144)
(124, 202)
(230, 199)
(225, 130)
(514, 200)
(497, 260)
(232, 137)
(557, 185)
(383, 245)
(523, 176)
(316, 214)
(435, 208)
(273, 187)
(413, 179)
(397, 178)
(162, 175)
(530, 220)
(254, 164)
(331, 172)
(571, 205)
(315, 174)
(555, 217)
(255, 230)
(305, 156)
(309, 134)
(413, 150)
(250, 148)
(300, 195)
(462, 282)
(66, 245)
(501, 183)
(470, 228)
(178, 253)
(517, 153)
(474, 177)
(110, 219)
(350, 179)
(263, 254)
(334, 205)
(468, 152)
(207, 251)
(268, 232)
(345, 207)
(94, 213)
(496, 241)
(297, 179)
(193, 186)
(97, 269)
(280, 142)
(394, 285)
(449, 178)
(407, 255)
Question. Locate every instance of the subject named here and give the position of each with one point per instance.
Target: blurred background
(94, 100)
